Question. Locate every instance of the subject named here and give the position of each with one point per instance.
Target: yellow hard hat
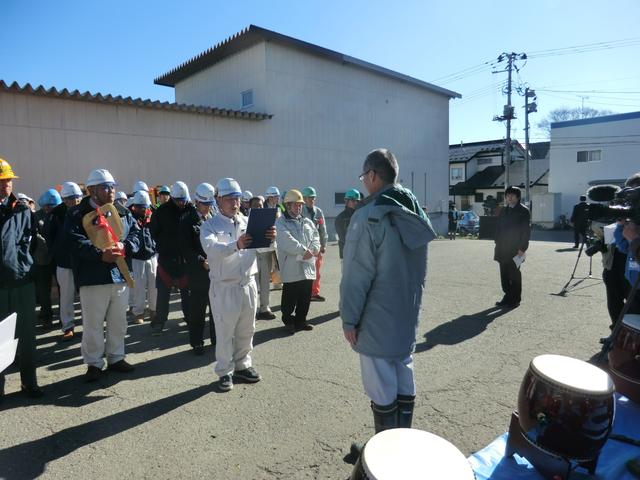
(293, 196)
(6, 172)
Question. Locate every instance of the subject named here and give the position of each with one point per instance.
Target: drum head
(632, 321)
(409, 453)
(573, 374)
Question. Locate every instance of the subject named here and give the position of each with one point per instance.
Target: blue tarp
(490, 462)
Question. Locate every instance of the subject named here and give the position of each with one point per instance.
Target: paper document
(311, 260)
(8, 343)
(518, 259)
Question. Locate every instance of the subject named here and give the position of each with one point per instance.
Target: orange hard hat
(6, 172)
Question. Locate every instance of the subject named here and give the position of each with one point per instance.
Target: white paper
(519, 259)
(609, 230)
(8, 343)
(311, 260)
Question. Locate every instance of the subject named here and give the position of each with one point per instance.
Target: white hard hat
(100, 176)
(205, 193)
(138, 186)
(141, 198)
(70, 189)
(228, 186)
(272, 192)
(247, 196)
(179, 190)
(24, 197)
(121, 195)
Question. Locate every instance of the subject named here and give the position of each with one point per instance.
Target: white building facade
(592, 151)
(323, 112)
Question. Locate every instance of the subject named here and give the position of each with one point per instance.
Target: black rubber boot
(405, 410)
(385, 416)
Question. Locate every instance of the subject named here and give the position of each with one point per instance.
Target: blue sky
(119, 47)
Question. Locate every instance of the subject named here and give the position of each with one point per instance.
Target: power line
(590, 47)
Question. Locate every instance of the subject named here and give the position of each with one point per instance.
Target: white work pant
(144, 277)
(265, 263)
(102, 303)
(234, 314)
(64, 276)
(384, 380)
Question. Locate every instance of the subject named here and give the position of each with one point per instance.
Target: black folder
(260, 220)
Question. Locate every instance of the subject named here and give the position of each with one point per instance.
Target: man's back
(385, 266)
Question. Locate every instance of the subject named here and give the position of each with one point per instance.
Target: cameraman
(627, 237)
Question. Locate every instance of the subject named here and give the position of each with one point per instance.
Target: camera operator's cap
(309, 192)
(247, 196)
(164, 189)
(141, 198)
(272, 192)
(99, 177)
(293, 196)
(50, 197)
(180, 191)
(352, 194)
(6, 172)
(205, 193)
(228, 186)
(70, 189)
(121, 195)
(140, 185)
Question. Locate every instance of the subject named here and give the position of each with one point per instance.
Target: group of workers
(198, 247)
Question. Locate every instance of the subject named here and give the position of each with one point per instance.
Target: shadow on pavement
(29, 460)
(460, 329)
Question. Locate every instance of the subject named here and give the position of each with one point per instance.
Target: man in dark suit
(512, 239)
(579, 221)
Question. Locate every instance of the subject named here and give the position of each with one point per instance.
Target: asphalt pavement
(168, 420)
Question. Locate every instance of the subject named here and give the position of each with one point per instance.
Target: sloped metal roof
(128, 101)
(466, 151)
(253, 34)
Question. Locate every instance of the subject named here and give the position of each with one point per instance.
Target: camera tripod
(567, 286)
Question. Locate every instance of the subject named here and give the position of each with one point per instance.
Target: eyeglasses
(107, 186)
(364, 174)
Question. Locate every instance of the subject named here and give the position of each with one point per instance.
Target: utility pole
(528, 108)
(508, 111)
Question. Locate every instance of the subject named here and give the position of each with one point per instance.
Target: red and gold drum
(408, 453)
(566, 407)
(624, 358)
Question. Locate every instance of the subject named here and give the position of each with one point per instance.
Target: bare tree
(565, 113)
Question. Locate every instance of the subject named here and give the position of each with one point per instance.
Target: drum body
(408, 453)
(566, 407)
(624, 358)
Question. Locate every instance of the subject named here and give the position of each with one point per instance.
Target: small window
(485, 161)
(456, 174)
(479, 197)
(247, 98)
(589, 156)
(339, 198)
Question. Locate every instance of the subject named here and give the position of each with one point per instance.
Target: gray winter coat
(294, 237)
(384, 273)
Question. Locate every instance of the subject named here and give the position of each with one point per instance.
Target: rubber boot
(405, 410)
(385, 417)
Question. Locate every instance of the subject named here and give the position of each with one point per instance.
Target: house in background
(592, 151)
(476, 173)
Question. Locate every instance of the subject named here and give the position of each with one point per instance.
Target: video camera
(627, 203)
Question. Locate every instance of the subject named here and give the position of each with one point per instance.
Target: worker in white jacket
(233, 293)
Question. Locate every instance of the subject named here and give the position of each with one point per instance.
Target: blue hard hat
(50, 197)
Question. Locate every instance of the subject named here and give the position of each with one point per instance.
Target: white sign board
(8, 344)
